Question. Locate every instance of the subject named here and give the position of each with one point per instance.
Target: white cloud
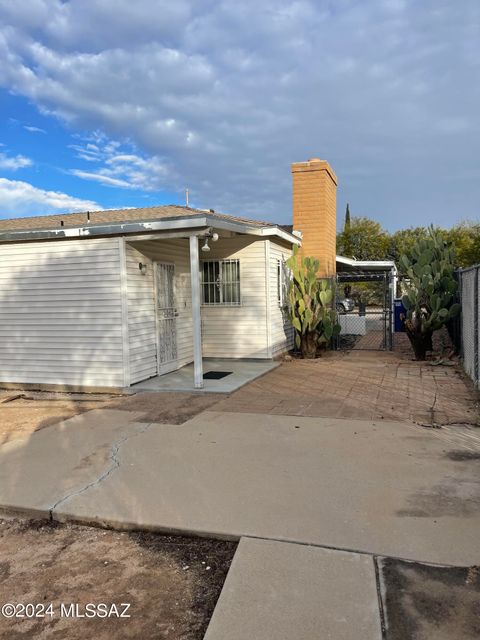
(222, 96)
(34, 129)
(99, 177)
(120, 165)
(12, 163)
(18, 198)
(99, 24)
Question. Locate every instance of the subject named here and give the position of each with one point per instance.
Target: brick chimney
(314, 211)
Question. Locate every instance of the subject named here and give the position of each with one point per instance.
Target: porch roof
(365, 266)
(126, 222)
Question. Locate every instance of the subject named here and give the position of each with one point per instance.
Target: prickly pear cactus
(310, 305)
(430, 290)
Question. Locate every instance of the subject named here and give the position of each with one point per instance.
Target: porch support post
(196, 318)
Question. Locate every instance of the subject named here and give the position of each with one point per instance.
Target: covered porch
(177, 327)
(162, 299)
(219, 376)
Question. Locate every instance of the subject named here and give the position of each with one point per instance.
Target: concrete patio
(240, 373)
(386, 488)
(318, 482)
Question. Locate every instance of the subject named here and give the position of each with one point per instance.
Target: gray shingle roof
(116, 215)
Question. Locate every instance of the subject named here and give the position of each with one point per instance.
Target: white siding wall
(61, 313)
(281, 329)
(176, 252)
(239, 331)
(142, 342)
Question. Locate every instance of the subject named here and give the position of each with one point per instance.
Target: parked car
(344, 305)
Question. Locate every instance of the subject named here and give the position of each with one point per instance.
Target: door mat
(216, 375)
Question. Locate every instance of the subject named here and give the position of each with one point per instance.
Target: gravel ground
(172, 583)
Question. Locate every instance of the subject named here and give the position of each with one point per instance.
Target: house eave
(241, 227)
(144, 227)
(368, 265)
(104, 230)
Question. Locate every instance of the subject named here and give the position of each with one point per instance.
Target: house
(110, 298)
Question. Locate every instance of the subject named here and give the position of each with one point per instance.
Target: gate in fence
(364, 302)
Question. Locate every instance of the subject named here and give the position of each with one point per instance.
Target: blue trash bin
(400, 315)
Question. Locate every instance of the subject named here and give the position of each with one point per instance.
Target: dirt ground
(165, 408)
(22, 413)
(171, 583)
(425, 602)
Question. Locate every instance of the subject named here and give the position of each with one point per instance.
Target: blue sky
(112, 104)
(52, 156)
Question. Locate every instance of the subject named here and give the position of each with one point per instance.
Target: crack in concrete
(114, 449)
(380, 595)
(454, 423)
(432, 408)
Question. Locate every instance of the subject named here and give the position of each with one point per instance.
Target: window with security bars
(220, 282)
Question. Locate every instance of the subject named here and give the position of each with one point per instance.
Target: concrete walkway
(314, 493)
(39, 472)
(288, 487)
(385, 488)
(281, 591)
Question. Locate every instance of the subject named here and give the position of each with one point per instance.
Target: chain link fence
(469, 290)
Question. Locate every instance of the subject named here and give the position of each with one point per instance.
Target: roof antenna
(186, 197)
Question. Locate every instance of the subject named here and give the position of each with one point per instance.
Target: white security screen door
(166, 317)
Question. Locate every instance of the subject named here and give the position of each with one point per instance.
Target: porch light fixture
(213, 237)
(142, 267)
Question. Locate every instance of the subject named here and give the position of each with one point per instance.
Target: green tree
(347, 218)
(365, 240)
(402, 242)
(347, 230)
(465, 238)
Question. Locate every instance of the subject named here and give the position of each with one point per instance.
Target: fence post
(460, 315)
(476, 313)
(334, 285)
